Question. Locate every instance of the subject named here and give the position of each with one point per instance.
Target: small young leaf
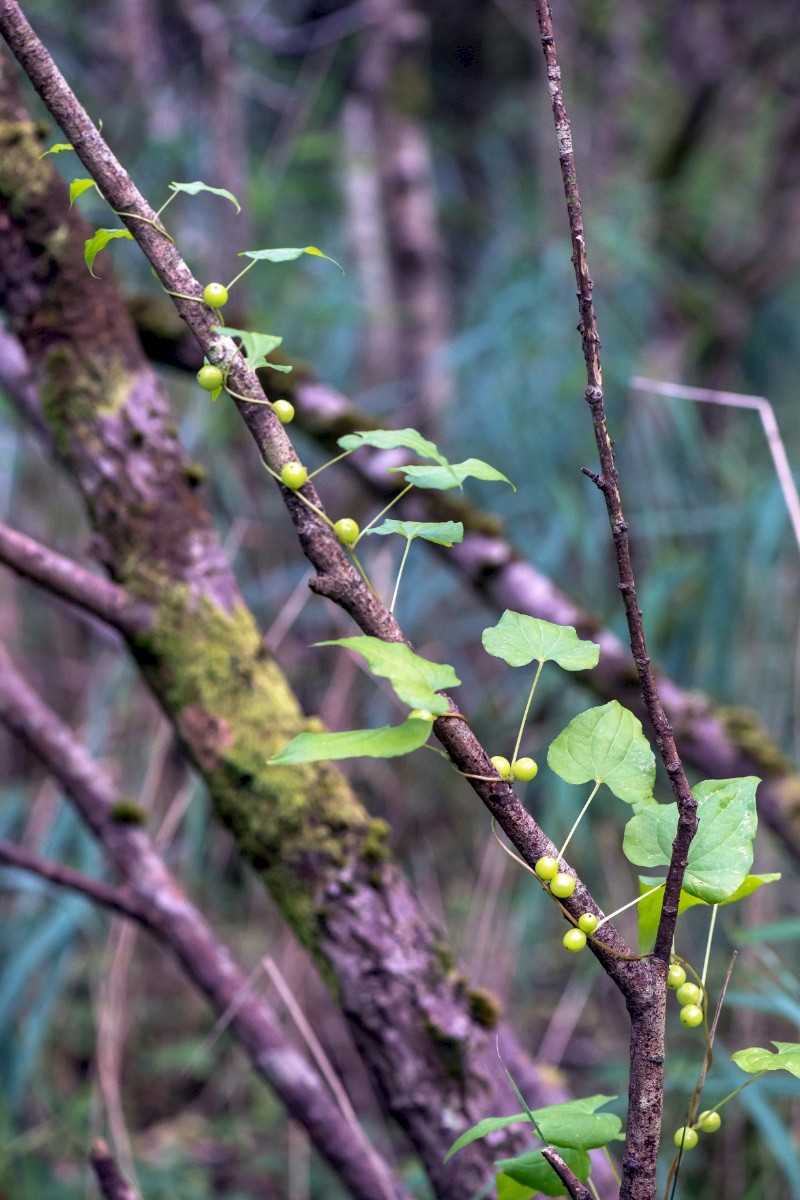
(443, 533)
(721, 852)
(452, 474)
(756, 1059)
(102, 237)
(192, 189)
(649, 909)
(288, 254)
(416, 681)
(78, 187)
(575, 1124)
(387, 742)
(255, 346)
(533, 1170)
(607, 745)
(58, 148)
(519, 639)
(393, 439)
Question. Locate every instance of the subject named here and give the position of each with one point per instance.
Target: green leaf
(78, 187)
(58, 148)
(607, 745)
(287, 254)
(453, 474)
(575, 1124)
(649, 910)
(415, 680)
(387, 742)
(755, 1059)
(721, 853)
(507, 1189)
(393, 439)
(443, 533)
(192, 189)
(533, 1170)
(102, 237)
(519, 639)
(255, 346)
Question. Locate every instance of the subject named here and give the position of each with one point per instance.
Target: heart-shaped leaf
(649, 909)
(416, 680)
(519, 639)
(534, 1171)
(192, 189)
(755, 1059)
(389, 741)
(575, 1124)
(606, 745)
(721, 852)
(288, 254)
(453, 474)
(443, 533)
(93, 245)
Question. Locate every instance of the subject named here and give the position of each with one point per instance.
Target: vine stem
(527, 710)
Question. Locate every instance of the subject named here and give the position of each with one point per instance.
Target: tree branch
(120, 900)
(110, 1180)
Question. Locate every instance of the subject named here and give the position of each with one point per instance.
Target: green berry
(709, 1121)
(294, 475)
(563, 885)
(546, 868)
(502, 766)
(691, 1016)
(689, 993)
(284, 411)
(210, 378)
(347, 531)
(525, 769)
(215, 295)
(686, 1137)
(421, 714)
(676, 977)
(587, 922)
(574, 940)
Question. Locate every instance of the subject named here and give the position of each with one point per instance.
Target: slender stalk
(236, 278)
(578, 820)
(630, 904)
(383, 511)
(527, 710)
(400, 573)
(714, 911)
(330, 462)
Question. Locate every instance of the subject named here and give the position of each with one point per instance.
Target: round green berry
(686, 1138)
(421, 714)
(294, 475)
(210, 378)
(347, 531)
(574, 940)
(546, 868)
(284, 411)
(691, 1016)
(689, 993)
(563, 885)
(215, 295)
(709, 1121)
(588, 922)
(503, 767)
(525, 769)
(676, 977)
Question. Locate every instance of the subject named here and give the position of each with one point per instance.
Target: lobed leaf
(607, 745)
(78, 187)
(519, 639)
(755, 1059)
(649, 909)
(287, 254)
(721, 852)
(443, 533)
(452, 475)
(389, 741)
(415, 680)
(99, 241)
(393, 439)
(192, 189)
(574, 1124)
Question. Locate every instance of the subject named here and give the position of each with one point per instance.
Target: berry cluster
(688, 995)
(686, 1138)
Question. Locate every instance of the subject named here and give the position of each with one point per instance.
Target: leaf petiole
(400, 574)
(527, 710)
(580, 817)
(391, 504)
(630, 904)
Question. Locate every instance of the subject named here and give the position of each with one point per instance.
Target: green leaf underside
(416, 681)
(443, 533)
(534, 1171)
(575, 1124)
(721, 852)
(453, 474)
(606, 745)
(393, 439)
(255, 346)
(102, 237)
(649, 910)
(58, 148)
(507, 1189)
(755, 1059)
(192, 189)
(389, 741)
(519, 639)
(78, 187)
(288, 254)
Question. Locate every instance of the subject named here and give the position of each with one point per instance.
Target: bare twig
(576, 1189)
(121, 900)
(110, 1179)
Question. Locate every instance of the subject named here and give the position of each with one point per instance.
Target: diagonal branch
(576, 1189)
(168, 913)
(120, 900)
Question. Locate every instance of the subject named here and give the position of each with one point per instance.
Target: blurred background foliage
(687, 128)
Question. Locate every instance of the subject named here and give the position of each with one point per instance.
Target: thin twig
(120, 900)
(110, 1179)
(576, 1189)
